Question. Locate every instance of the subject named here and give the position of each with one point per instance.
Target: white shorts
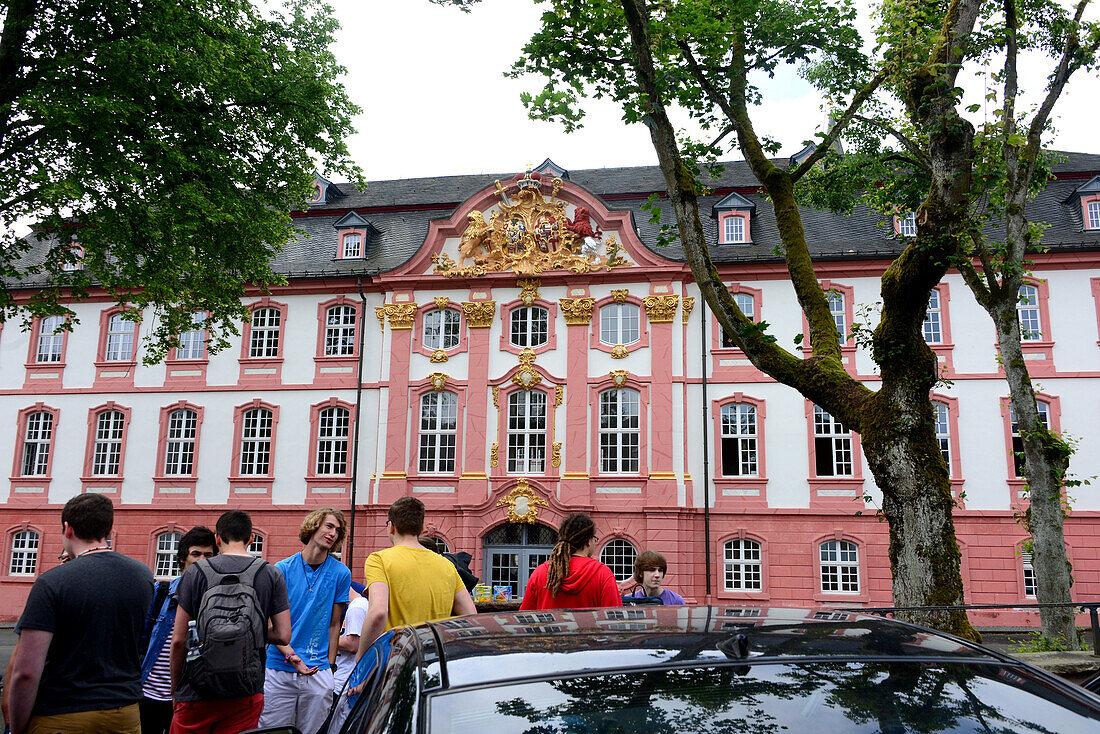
(293, 699)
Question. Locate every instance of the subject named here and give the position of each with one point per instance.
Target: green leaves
(171, 140)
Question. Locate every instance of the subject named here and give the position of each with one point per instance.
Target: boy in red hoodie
(572, 578)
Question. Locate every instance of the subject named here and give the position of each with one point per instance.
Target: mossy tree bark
(895, 423)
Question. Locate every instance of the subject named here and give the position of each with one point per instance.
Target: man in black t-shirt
(77, 666)
(192, 711)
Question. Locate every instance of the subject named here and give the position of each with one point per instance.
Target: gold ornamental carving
(522, 503)
(496, 396)
(559, 395)
(402, 316)
(661, 309)
(442, 301)
(479, 314)
(527, 378)
(689, 304)
(528, 234)
(619, 296)
(380, 312)
(439, 356)
(619, 377)
(577, 311)
(438, 381)
(555, 457)
(619, 352)
(493, 454)
(527, 356)
(529, 290)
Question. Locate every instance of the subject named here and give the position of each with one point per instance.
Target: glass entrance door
(513, 551)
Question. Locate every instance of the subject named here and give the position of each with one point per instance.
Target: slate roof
(402, 209)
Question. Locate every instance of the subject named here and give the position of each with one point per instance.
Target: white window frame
(739, 427)
(933, 319)
(193, 341)
(619, 554)
(256, 429)
(747, 304)
(529, 326)
(438, 435)
(1094, 214)
(835, 299)
(110, 428)
(839, 567)
(332, 441)
(907, 225)
(1029, 314)
(353, 245)
(263, 340)
(165, 565)
(51, 340)
(179, 446)
(1043, 408)
(620, 431)
(442, 329)
(743, 565)
(526, 432)
(120, 339)
(620, 323)
(836, 438)
(256, 545)
(733, 230)
(24, 553)
(941, 415)
(37, 436)
(340, 331)
(1030, 590)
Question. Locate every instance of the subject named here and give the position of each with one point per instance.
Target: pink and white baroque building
(526, 350)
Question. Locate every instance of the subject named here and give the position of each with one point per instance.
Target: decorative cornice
(479, 314)
(402, 316)
(661, 309)
(619, 296)
(577, 311)
(529, 289)
(689, 304)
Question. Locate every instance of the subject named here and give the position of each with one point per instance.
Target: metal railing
(1090, 607)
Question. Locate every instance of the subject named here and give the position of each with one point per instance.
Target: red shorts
(223, 716)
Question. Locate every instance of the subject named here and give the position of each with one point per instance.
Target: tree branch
(920, 158)
(838, 127)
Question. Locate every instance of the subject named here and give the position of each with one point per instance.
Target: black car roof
(493, 648)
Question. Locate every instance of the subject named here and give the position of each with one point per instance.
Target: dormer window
(75, 259)
(318, 195)
(1092, 214)
(906, 226)
(354, 234)
(734, 215)
(353, 245)
(324, 191)
(1088, 195)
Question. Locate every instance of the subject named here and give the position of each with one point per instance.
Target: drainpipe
(358, 410)
(706, 440)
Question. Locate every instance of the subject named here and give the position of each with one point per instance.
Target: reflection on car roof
(483, 648)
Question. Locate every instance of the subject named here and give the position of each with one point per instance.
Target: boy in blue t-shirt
(298, 688)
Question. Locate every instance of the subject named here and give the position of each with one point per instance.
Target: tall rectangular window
(1029, 575)
(527, 432)
(743, 567)
(620, 323)
(332, 441)
(179, 454)
(340, 331)
(1094, 215)
(441, 328)
(256, 442)
(264, 335)
(840, 567)
(165, 565)
(36, 444)
(739, 440)
(943, 432)
(51, 339)
(1027, 309)
(120, 339)
(836, 308)
(1018, 440)
(193, 341)
(353, 245)
(109, 426)
(734, 229)
(933, 331)
(620, 431)
(24, 553)
(907, 225)
(529, 326)
(832, 446)
(747, 304)
(438, 432)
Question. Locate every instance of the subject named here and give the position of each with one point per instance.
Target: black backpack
(232, 634)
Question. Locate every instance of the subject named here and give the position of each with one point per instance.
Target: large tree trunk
(1046, 458)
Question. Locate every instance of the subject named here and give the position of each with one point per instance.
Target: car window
(393, 702)
(765, 698)
(366, 671)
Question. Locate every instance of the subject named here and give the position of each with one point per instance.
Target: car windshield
(890, 697)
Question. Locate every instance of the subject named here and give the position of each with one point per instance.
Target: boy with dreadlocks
(572, 578)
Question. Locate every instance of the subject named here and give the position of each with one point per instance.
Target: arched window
(438, 432)
(1029, 313)
(110, 426)
(120, 339)
(37, 438)
(353, 245)
(165, 565)
(839, 567)
(441, 328)
(620, 323)
(906, 226)
(620, 431)
(747, 303)
(739, 440)
(743, 565)
(943, 431)
(193, 341)
(24, 553)
(179, 453)
(527, 432)
(1029, 574)
(332, 441)
(733, 230)
(513, 551)
(256, 442)
(1018, 440)
(51, 339)
(838, 309)
(256, 547)
(340, 331)
(933, 327)
(529, 326)
(832, 446)
(619, 556)
(1094, 215)
(263, 339)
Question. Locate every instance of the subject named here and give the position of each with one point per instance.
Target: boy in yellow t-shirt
(407, 583)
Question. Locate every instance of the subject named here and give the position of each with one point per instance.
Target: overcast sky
(435, 102)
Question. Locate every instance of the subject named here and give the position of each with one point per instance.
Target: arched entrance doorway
(513, 550)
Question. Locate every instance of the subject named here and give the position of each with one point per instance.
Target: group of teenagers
(103, 648)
